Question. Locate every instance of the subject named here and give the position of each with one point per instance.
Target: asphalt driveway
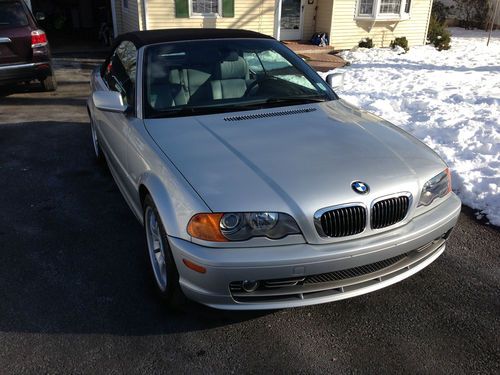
(75, 297)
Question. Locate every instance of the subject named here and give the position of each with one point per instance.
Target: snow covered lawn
(450, 100)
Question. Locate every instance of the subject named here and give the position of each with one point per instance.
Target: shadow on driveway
(72, 258)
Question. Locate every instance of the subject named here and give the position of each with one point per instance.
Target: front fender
(175, 205)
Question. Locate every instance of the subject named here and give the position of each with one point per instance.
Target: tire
(95, 142)
(163, 271)
(49, 83)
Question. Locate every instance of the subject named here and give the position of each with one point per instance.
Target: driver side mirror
(109, 101)
(336, 79)
(40, 16)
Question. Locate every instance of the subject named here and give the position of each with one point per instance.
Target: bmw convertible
(257, 186)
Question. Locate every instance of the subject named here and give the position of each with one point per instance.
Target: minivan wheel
(162, 265)
(95, 142)
(49, 83)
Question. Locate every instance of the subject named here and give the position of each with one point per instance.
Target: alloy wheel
(155, 248)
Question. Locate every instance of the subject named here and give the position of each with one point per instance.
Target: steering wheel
(258, 82)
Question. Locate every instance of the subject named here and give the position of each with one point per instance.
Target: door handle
(5, 40)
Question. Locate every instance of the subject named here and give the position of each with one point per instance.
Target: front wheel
(162, 265)
(95, 142)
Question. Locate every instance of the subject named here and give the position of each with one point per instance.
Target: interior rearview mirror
(110, 101)
(336, 79)
(40, 16)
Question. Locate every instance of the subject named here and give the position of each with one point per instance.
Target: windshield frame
(282, 49)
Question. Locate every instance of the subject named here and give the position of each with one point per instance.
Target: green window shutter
(227, 8)
(181, 8)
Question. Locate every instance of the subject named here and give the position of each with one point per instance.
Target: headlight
(436, 187)
(238, 226)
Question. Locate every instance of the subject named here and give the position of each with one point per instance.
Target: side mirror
(336, 79)
(40, 16)
(110, 101)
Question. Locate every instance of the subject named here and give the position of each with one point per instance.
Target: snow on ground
(450, 100)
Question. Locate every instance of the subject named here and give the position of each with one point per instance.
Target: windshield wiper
(185, 111)
(207, 109)
(298, 99)
(227, 107)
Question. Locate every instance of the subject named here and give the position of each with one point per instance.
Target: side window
(120, 72)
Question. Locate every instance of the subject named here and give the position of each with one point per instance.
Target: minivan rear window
(12, 14)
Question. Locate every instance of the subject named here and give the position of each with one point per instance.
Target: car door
(120, 76)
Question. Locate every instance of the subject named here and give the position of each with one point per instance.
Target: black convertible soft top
(143, 38)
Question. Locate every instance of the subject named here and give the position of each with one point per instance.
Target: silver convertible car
(257, 186)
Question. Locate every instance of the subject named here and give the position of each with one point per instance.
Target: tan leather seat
(232, 79)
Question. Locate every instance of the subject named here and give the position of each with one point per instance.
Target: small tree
(366, 43)
(401, 42)
(438, 34)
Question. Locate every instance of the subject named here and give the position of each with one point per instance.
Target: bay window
(365, 7)
(383, 9)
(390, 6)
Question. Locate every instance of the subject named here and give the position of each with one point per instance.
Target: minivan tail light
(38, 39)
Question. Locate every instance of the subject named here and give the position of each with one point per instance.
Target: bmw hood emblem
(360, 187)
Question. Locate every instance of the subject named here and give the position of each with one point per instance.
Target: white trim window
(390, 6)
(387, 10)
(205, 8)
(365, 8)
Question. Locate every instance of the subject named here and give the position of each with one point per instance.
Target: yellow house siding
(129, 16)
(256, 15)
(118, 14)
(309, 23)
(346, 32)
(324, 16)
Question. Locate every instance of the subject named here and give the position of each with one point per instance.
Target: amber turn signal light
(206, 227)
(194, 266)
(448, 172)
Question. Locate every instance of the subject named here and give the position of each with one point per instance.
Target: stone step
(307, 48)
(325, 66)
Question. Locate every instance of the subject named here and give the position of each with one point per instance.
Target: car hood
(295, 159)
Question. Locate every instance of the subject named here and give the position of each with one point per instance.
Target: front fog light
(250, 286)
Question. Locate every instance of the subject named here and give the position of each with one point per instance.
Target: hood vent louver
(269, 114)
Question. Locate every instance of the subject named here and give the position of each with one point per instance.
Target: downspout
(145, 12)
(113, 16)
(140, 15)
(428, 21)
(277, 20)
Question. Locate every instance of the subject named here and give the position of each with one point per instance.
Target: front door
(291, 20)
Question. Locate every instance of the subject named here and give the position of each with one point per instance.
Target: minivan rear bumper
(26, 71)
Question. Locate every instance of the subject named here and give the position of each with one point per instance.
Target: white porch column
(277, 20)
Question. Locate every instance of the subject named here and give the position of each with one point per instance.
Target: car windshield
(12, 14)
(200, 77)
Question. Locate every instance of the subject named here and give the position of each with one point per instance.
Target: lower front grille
(237, 286)
(353, 272)
(341, 222)
(389, 211)
(344, 281)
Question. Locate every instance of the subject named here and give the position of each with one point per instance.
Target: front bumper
(22, 72)
(413, 246)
